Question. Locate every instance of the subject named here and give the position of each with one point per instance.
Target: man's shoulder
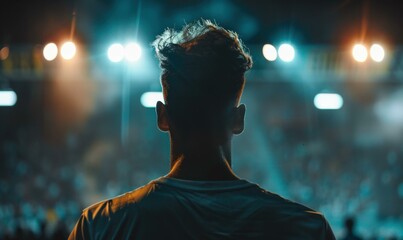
(105, 219)
(289, 207)
(292, 215)
(126, 203)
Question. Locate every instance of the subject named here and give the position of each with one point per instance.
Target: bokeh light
(328, 101)
(286, 52)
(150, 99)
(116, 52)
(7, 98)
(50, 51)
(133, 52)
(360, 53)
(377, 52)
(269, 52)
(68, 50)
(4, 52)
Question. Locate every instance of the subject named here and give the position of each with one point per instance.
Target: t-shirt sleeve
(81, 229)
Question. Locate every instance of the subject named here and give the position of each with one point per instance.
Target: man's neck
(202, 164)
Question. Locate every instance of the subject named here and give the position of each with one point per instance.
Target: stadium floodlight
(269, 52)
(150, 99)
(132, 52)
(286, 52)
(116, 52)
(50, 51)
(68, 50)
(331, 101)
(377, 52)
(360, 53)
(8, 98)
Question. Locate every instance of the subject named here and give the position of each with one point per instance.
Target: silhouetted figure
(42, 233)
(61, 232)
(203, 69)
(349, 228)
(19, 232)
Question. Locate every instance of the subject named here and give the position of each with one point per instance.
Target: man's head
(203, 68)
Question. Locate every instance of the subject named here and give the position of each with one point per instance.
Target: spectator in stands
(203, 68)
(349, 229)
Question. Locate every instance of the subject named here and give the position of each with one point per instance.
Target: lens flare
(4, 52)
(328, 101)
(133, 52)
(150, 99)
(116, 52)
(68, 50)
(286, 52)
(269, 52)
(50, 51)
(8, 98)
(360, 53)
(377, 52)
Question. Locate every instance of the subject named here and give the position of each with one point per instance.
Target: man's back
(169, 208)
(203, 76)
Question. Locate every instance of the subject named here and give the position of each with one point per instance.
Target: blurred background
(79, 79)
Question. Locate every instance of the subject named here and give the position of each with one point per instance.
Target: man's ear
(162, 117)
(239, 119)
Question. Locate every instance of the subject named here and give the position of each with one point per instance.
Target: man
(203, 68)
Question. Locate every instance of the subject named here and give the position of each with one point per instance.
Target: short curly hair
(202, 63)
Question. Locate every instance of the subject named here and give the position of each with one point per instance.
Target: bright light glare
(286, 52)
(150, 99)
(50, 51)
(133, 52)
(269, 52)
(68, 50)
(360, 53)
(7, 98)
(377, 52)
(116, 52)
(328, 101)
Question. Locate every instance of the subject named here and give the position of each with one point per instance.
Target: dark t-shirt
(169, 208)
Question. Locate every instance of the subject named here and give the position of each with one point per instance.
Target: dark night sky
(318, 22)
